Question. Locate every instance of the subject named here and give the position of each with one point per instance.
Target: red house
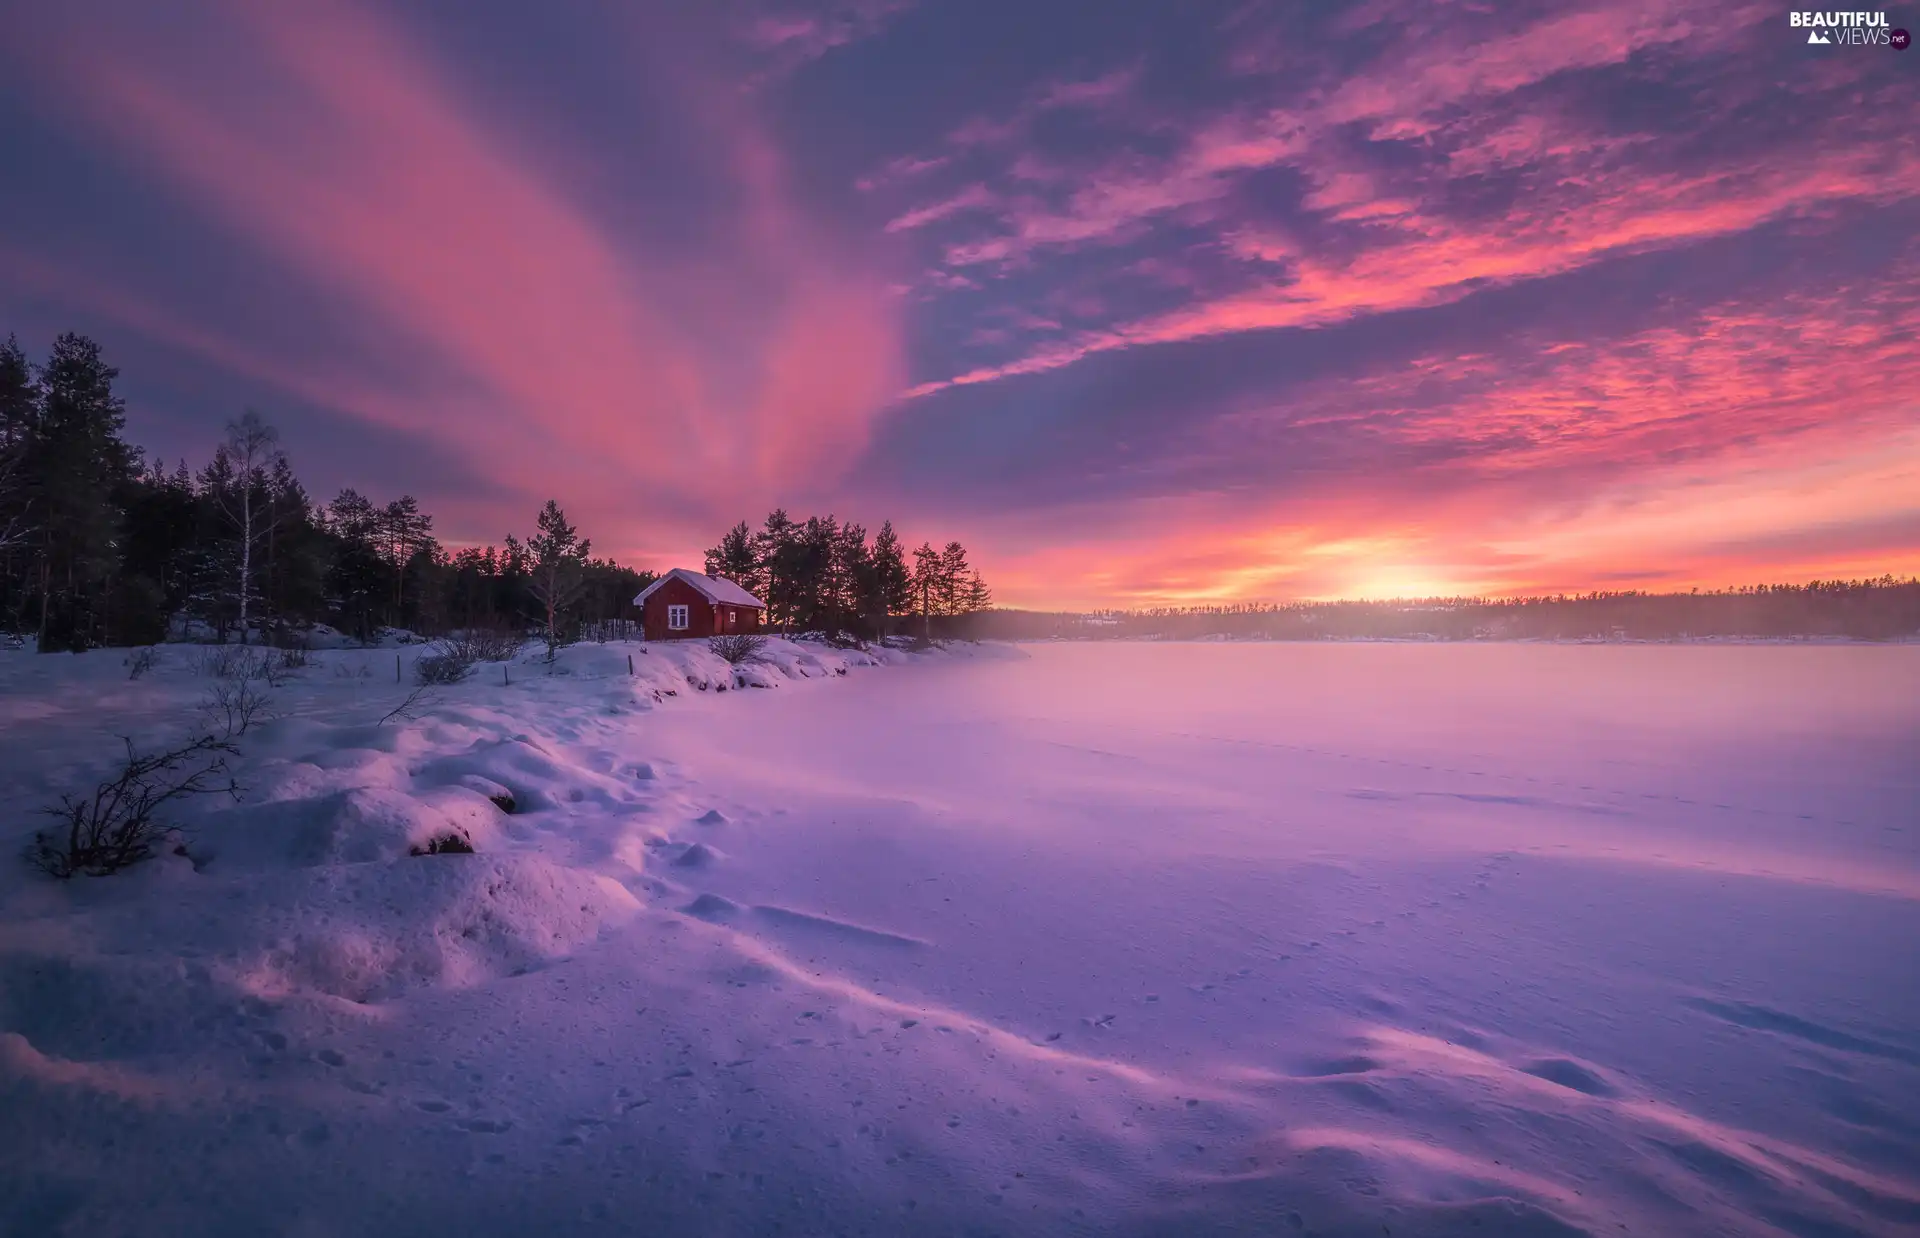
(685, 604)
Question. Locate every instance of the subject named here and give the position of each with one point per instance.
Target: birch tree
(253, 448)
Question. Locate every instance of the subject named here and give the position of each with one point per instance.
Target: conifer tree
(925, 582)
(736, 559)
(976, 596)
(76, 467)
(19, 419)
(893, 584)
(954, 570)
(559, 559)
(404, 531)
(777, 545)
(355, 576)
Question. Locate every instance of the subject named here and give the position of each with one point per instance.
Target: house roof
(712, 588)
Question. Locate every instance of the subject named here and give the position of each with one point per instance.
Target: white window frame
(677, 618)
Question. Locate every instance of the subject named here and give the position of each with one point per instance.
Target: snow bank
(1136, 940)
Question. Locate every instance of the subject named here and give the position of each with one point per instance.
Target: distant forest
(100, 545)
(1883, 609)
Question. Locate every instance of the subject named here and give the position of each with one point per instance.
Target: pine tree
(355, 576)
(953, 578)
(19, 397)
(813, 601)
(893, 584)
(162, 518)
(736, 559)
(75, 466)
(926, 584)
(777, 548)
(404, 532)
(559, 559)
(19, 421)
(976, 597)
(296, 552)
(859, 585)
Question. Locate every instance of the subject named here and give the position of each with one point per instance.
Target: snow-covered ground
(1111, 938)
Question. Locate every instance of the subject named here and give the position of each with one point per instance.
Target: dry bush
(246, 663)
(117, 825)
(739, 649)
(408, 709)
(140, 661)
(435, 670)
(232, 707)
(289, 658)
(484, 644)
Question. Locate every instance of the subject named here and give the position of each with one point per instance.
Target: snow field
(1086, 941)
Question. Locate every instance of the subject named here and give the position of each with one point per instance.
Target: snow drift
(1128, 939)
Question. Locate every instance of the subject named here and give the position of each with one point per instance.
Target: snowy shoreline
(744, 962)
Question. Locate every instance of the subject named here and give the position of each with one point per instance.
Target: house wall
(677, 593)
(703, 618)
(736, 620)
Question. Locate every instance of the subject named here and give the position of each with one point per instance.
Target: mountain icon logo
(1818, 37)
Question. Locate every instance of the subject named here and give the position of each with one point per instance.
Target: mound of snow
(361, 826)
(372, 932)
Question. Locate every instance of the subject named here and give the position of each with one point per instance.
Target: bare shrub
(600, 631)
(232, 707)
(246, 663)
(140, 661)
(118, 825)
(436, 670)
(408, 709)
(223, 661)
(484, 644)
(739, 649)
(289, 658)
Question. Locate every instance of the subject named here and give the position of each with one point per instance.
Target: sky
(1147, 303)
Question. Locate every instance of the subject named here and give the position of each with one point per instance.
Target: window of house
(676, 618)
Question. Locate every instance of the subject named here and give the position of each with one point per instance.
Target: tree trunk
(246, 551)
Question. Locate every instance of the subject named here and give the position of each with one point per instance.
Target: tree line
(820, 575)
(101, 545)
(1884, 608)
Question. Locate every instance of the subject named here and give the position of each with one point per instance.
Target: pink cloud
(581, 353)
(794, 36)
(1680, 454)
(1410, 257)
(970, 198)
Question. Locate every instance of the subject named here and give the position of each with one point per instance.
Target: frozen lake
(1691, 869)
(1137, 938)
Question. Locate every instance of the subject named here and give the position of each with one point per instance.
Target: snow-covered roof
(712, 588)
